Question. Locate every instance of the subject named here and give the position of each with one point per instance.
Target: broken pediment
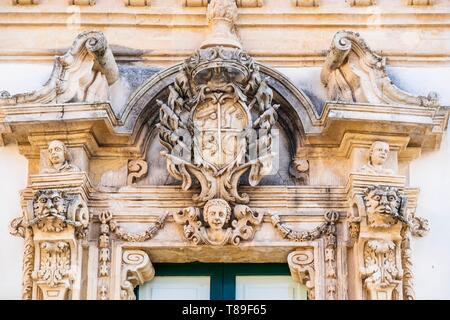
(83, 74)
(354, 73)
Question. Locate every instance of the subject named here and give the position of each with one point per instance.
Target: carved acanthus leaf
(380, 273)
(55, 264)
(354, 73)
(83, 74)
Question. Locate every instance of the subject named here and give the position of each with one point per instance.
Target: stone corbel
(137, 3)
(361, 3)
(136, 270)
(55, 224)
(305, 3)
(82, 2)
(25, 2)
(420, 2)
(83, 74)
(301, 265)
(354, 73)
(195, 3)
(239, 3)
(249, 3)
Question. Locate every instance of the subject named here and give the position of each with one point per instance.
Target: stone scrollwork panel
(136, 269)
(55, 276)
(381, 273)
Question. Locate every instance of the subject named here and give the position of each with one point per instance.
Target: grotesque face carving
(378, 153)
(383, 205)
(49, 203)
(216, 213)
(57, 152)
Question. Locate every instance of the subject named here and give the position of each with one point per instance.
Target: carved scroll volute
(136, 270)
(301, 265)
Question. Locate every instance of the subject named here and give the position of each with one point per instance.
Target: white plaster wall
(13, 177)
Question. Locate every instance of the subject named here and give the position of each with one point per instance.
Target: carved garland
(148, 234)
(327, 230)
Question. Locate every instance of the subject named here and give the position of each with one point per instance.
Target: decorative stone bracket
(54, 224)
(136, 270)
(379, 229)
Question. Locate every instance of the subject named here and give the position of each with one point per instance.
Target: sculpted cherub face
(379, 153)
(216, 213)
(57, 152)
(382, 200)
(49, 203)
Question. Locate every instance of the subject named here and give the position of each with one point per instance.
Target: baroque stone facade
(211, 131)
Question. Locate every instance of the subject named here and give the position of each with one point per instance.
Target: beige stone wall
(414, 39)
(166, 31)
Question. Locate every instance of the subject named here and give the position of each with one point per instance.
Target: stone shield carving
(216, 124)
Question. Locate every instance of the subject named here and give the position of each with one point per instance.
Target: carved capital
(136, 270)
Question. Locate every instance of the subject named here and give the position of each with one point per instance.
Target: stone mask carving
(207, 126)
(378, 155)
(53, 210)
(50, 210)
(59, 158)
(384, 206)
(214, 229)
